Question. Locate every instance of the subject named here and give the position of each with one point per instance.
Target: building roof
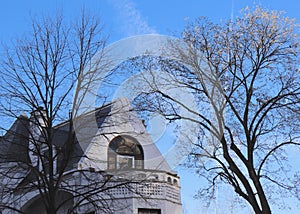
(72, 146)
(14, 144)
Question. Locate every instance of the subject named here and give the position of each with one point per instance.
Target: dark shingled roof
(14, 144)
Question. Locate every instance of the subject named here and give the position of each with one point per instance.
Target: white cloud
(130, 18)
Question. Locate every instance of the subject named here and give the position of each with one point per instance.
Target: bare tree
(39, 76)
(244, 75)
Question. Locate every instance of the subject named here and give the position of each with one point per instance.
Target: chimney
(37, 123)
(36, 135)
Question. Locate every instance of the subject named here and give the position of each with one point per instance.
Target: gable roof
(14, 144)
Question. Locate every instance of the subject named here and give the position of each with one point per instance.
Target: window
(44, 164)
(175, 182)
(125, 152)
(125, 162)
(149, 211)
(45, 161)
(169, 180)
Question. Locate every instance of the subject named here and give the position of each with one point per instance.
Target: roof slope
(14, 144)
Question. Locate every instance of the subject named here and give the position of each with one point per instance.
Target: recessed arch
(64, 201)
(125, 152)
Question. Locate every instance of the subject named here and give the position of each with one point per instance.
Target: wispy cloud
(130, 18)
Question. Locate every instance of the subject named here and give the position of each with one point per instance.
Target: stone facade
(112, 141)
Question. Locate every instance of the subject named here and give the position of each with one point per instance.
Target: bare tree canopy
(42, 68)
(62, 153)
(39, 76)
(244, 75)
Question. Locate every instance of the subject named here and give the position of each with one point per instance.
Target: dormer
(125, 152)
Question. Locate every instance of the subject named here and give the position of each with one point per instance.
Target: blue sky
(129, 17)
(132, 17)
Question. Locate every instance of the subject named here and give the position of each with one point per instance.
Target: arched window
(125, 152)
(175, 182)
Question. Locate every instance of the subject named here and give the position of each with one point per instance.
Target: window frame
(125, 157)
(43, 154)
(148, 211)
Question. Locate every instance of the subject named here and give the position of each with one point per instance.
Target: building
(109, 155)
